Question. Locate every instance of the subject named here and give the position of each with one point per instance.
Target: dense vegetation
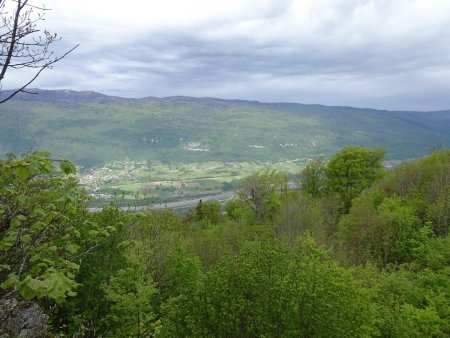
(91, 129)
(356, 251)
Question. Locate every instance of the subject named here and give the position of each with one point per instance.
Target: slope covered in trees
(367, 254)
(91, 128)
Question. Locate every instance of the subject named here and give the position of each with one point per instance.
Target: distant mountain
(91, 128)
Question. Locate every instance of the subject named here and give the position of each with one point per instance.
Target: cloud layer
(379, 53)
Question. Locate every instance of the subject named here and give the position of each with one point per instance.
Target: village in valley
(158, 181)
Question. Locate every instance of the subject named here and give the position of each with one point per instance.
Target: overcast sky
(389, 54)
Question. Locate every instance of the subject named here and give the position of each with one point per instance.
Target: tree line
(356, 250)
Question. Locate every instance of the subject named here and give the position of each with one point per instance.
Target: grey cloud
(362, 53)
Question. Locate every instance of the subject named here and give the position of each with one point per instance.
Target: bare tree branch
(48, 65)
(23, 45)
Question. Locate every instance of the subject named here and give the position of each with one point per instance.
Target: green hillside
(91, 128)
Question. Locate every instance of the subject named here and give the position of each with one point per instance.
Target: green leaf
(5, 267)
(52, 248)
(26, 239)
(10, 282)
(29, 287)
(8, 241)
(72, 248)
(22, 172)
(38, 212)
(67, 167)
(73, 266)
(93, 233)
(17, 220)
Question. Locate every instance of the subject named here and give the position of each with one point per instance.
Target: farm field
(144, 182)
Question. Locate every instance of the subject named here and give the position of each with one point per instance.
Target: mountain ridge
(70, 93)
(92, 128)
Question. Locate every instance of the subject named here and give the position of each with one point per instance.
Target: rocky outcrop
(22, 319)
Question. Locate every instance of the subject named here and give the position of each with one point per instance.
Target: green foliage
(299, 214)
(208, 244)
(409, 303)
(353, 169)
(184, 270)
(67, 167)
(159, 234)
(43, 226)
(262, 192)
(131, 291)
(87, 312)
(425, 184)
(236, 209)
(267, 288)
(312, 179)
(206, 213)
(93, 129)
(388, 233)
(255, 272)
(434, 254)
(318, 288)
(267, 292)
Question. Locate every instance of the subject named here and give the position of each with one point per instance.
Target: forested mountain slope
(90, 128)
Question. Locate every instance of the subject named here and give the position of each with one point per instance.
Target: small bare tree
(23, 44)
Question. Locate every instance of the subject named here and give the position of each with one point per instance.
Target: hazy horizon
(379, 54)
(220, 98)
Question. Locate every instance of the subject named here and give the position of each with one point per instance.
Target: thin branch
(12, 43)
(22, 89)
(23, 45)
(34, 6)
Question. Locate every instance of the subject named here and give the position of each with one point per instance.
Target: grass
(170, 181)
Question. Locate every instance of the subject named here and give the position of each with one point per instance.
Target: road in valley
(175, 205)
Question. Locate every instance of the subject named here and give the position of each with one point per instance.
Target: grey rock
(22, 319)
